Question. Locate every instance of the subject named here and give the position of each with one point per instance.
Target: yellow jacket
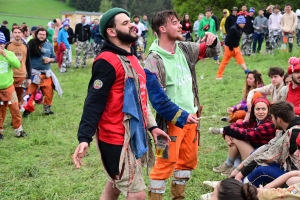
(222, 24)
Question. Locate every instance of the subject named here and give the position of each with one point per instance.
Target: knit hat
(241, 20)
(2, 38)
(294, 63)
(33, 28)
(107, 16)
(65, 24)
(252, 10)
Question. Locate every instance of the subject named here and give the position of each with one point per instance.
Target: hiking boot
(25, 114)
(1, 136)
(21, 134)
(228, 172)
(225, 119)
(222, 168)
(206, 196)
(214, 130)
(210, 184)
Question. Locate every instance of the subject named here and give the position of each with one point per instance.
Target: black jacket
(216, 22)
(6, 33)
(233, 37)
(230, 21)
(82, 32)
(71, 35)
(248, 28)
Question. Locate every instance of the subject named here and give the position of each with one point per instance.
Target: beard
(295, 80)
(126, 38)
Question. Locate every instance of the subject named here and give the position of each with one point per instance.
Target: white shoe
(211, 184)
(219, 78)
(206, 196)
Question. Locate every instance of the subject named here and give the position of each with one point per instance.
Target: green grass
(39, 167)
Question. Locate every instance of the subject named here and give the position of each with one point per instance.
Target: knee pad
(181, 177)
(157, 186)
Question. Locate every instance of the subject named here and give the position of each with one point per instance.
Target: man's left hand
(158, 132)
(209, 38)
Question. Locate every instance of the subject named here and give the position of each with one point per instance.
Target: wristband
(237, 169)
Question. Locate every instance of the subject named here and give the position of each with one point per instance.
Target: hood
(154, 47)
(298, 12)
(227, 12)
(108, 46)
(295, 121)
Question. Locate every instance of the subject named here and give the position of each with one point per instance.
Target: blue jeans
(257, 37)
(265, 174)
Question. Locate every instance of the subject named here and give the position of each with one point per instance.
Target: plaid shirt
(256, 134)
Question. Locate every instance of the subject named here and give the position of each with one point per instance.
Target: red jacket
(293, 96)
(60, 53)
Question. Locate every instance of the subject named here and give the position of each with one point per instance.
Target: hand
(239, 176)
(291, 32)
(229, 140)
(260, 190)
(47, 60)
(238, 106)
(257, 28)
(2, 52)
(247, 117)
(158, 132)
(209, 38)
(233, 173)
(79, 153)
(229, 110)
(262, 25)
(75, 43)
(192, 119)
(28, 82)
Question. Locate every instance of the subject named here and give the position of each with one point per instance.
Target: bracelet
(237, 169)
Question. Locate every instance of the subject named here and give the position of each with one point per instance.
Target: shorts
(130, 175)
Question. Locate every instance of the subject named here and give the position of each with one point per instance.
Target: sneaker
(214, 130)
(1, 137)
(206, 196)
(228, 172)
(62, 70)
(21, 134)
(83, 66)
(25, 114)
(219, 78)
(217, 62)
(225, 119)
(222, 168)
(211, 184)
(49, 113)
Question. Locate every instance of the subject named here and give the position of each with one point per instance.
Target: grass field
(39, 167)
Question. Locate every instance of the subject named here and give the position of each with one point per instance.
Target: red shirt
(293, 96)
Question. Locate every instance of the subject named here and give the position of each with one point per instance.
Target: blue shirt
(63, 37)
(38, 63)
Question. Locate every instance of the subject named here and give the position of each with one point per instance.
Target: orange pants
(183, 153)
(18, 81)
(8, 96)
(55, 47)
(239, 114)
(46, 87)
(236, 53)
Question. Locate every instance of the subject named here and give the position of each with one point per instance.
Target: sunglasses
(224, 12)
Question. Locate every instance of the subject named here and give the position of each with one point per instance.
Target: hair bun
(249, 192)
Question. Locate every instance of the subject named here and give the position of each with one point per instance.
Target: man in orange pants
(173, 93)
(232, 48)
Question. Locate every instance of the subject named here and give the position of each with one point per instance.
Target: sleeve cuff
(152, 128)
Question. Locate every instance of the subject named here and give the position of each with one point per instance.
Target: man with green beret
(116, 110)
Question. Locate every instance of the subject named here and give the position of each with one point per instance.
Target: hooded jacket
(222, 23)
(233, 37)
(205, 22)
(230, 21)
(274, 22)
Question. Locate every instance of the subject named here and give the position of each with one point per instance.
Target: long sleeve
(76, 32)
(12, 60)
(266, 90)
(96, 98)
(28, 64)
(255, 23)
(200, 29)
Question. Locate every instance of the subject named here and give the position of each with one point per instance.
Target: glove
(247, 71)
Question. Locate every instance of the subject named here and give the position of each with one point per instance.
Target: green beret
(107, 16)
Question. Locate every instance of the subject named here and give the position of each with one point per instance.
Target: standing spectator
(247, 33)
(58, 25)
(140, 43)
(243, 12)
(23, 74)
(274, 29)
(97, 38)
(187, 28)
(267, 14)
(71, 41)
(196, 26)
(8, 97)
(260, 25)
(215, 18)
(5, 30)
(32, 31)
(288, 25)
(145, 22)
(222, 24)
(232, 48)
(41, 55)
(50, 31)
(64, 48)
(26, 33)
(82, 40)
(231, 19)
(298, 27)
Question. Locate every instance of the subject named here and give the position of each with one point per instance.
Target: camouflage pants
(268, 43)
(65, 62)
(81, 46)
(275, 40)
(298, 37)
(97, 48)
(246, 43)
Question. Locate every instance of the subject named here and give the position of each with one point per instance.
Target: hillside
(33, 12)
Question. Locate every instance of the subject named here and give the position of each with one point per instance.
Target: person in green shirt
(50, 31)
(8, 96)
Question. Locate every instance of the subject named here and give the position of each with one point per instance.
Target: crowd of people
(263, 135)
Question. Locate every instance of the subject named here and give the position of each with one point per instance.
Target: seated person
(243, 137)
(253, 80)
(275, 158)
(287, 79)
(276, 75)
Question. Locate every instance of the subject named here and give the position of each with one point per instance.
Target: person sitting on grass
(253, 80)
(243, 138)
(276, 75)
(275, 158)
(287, 79)
(234, 189)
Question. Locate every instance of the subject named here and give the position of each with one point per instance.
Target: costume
(24, 72)
(273, 159)
(82, 37)
(42, 76)
(173, 93)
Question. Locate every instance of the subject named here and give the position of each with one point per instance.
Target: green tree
(105, 5)
(88, 5)
(71, 2)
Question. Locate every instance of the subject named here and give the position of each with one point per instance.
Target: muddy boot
(177, 191)
(154, 196)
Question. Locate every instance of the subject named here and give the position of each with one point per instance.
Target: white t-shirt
(140, 27)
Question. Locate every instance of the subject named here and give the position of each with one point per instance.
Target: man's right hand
(79, 153)
(75, 43)
(192, 119)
